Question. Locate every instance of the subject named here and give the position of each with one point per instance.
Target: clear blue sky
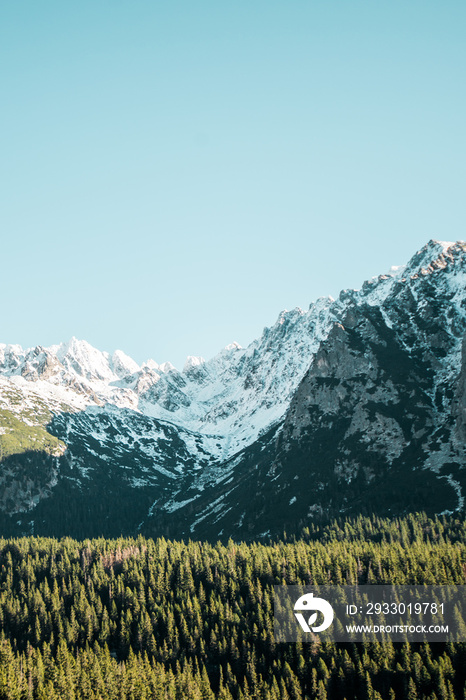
(173, 174)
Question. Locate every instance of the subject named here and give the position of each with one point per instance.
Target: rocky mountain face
(356, 405)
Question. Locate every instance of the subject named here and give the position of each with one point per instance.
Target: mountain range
(356, 405)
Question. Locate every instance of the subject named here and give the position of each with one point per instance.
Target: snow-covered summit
(433, 256)
(123, 365)
(192, 362)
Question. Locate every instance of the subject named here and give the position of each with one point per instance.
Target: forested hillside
(138, 619)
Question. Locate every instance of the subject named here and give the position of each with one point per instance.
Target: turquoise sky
(173, 174)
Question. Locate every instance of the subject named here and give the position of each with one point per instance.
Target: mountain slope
(377, 423)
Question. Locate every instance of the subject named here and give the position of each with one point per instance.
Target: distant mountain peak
(123, 365)
(433, 256)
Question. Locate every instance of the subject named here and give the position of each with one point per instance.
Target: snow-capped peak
(191, 362)
(123, 365)
(433, 256)
(81, 357)
(151, 364)
(445, 244)
(166, 367)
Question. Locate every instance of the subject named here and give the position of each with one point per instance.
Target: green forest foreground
(140, 619)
